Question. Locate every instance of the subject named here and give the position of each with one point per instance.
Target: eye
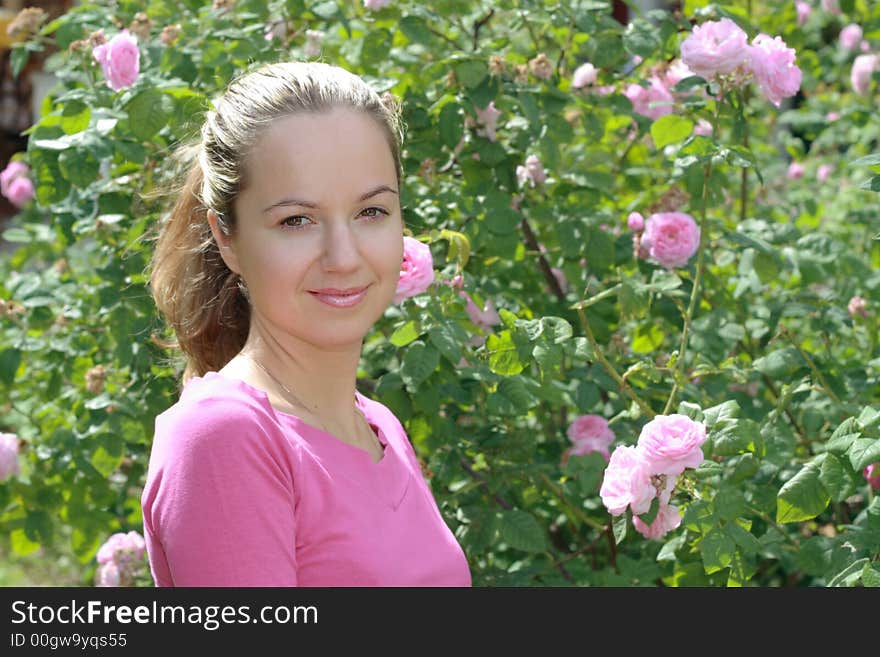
(296, 221)
(374, 213)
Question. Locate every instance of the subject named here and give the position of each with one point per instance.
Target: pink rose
(122, 549)
(488, 117)
(671, 443)
(831, 117)
(626, 482)
(824, 172)
(108, 575)
(376, 4)
(635, 222)
(872, 475)
(803, 11)
(533, 172)
(8, 455)
(13, 170)
(21, 191)
(703, 128)
(119, 59)
(653, 101)
(862, 70)
(485, 318)
(668, 518)
(772, 64)
(584, 75)
(851, 37)
(590, 433)
(715, 48)
(671, 238)
(15, 184)
(831, 6)
(795, 171)
(857, 306)
(676, 72)
(416, 270)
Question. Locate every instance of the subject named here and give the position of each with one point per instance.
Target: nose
(341, 251)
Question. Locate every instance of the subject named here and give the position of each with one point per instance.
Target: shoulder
(215, 410)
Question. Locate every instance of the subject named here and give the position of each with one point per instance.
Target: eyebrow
(309, 204)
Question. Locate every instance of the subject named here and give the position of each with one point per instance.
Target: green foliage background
(763, 351)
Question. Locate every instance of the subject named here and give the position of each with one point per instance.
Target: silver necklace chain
(296, 400)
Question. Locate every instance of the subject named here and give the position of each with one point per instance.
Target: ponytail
(200, 298)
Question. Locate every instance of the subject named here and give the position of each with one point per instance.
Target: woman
(282, 251)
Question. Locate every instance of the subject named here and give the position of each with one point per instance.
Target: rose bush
(732, 330)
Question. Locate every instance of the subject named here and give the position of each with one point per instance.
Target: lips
(340, 298)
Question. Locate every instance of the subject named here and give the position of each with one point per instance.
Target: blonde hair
(203, 301)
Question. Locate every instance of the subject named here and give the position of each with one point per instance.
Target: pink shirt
(240, 494)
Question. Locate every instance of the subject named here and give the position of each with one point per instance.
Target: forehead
(314, 151)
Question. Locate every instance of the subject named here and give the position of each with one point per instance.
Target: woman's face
(319, 239)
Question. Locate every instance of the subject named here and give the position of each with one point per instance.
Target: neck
(324, 380)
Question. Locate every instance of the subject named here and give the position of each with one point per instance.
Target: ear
(224, 243)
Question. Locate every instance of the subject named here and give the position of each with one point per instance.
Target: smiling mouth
(340, 298)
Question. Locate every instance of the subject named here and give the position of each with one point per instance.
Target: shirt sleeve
(220, 501)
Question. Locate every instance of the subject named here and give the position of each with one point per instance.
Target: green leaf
(325, 10)
(108, 455)
(699, 516)
(717, 550)
(419, 363)
(647, 338)
(504, 356)
(522, 531)
(743, 436)
(482, 529)
(470, 72)
(21, 544)
(641, 37)
(667, 552)
(511, 398)
(850, 575)
(556, 329)
(448, 337)
(871, 576)
(869, 417)
(599, 250)
(79, 168)
(618, 527)
(75, 117)
(780, 363)
(844, 436)
(10, 359)
(18, 59)
(835, 478)
(670, 129)
(148, 113)
(872, 184)
(744, 539)
(415, 29)
(405, 334)
(803, 496)
(729, 503)
(868, 160)
(721, 415)
(451, 124)
(864, 452)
